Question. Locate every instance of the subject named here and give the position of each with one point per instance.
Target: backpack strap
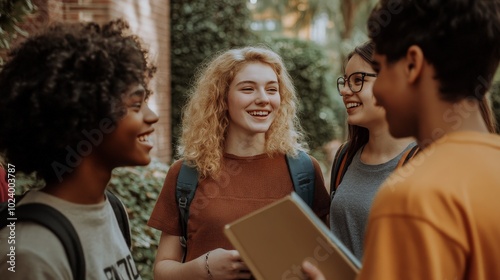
(184, 192)
(339, 168)
(121, 216)
(59, 225)
(409, 154)
(301, 170)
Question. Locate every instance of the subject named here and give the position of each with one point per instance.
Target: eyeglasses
(355, 81)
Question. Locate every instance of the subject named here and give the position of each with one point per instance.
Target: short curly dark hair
(64, 82)
(460, 38)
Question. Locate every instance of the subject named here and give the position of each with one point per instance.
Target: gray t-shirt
(40, 255)
(353, 199)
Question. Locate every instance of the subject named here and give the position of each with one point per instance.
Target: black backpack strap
(121, 216)
(302, 172)
(339, 168)
(59, 225)
(184, 192)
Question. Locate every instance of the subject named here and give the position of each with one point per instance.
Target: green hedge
(138, 188)
(311, 73)
(12, 13)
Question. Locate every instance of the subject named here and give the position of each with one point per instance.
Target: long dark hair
(357, 135)
(487, 114)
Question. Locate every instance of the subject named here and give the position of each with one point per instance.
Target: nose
(150, 116)
(346, 91)
(262, 97)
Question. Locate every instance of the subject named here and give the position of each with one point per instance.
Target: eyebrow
(253, 82)
(140, 92)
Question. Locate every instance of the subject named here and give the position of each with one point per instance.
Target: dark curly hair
(460, 38)
(62, 82)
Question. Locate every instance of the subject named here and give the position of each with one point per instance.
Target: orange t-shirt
(246, 184)
(438, 217)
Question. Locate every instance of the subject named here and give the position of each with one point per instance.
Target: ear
(414, 63)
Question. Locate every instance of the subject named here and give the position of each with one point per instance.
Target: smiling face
(253, 100)
(129, 143)
(360, 106)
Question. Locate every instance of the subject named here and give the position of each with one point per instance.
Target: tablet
(274, 241)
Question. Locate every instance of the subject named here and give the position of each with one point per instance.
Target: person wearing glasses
(372, 152)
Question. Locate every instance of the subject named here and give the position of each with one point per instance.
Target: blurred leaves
(310, 70)
(12, 13)
(138, 188)
(495, 101)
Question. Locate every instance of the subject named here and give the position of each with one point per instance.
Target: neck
(248, 145)
(382, 147)
(441, 117)
(84, 185)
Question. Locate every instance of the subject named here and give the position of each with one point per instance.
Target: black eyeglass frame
(363, 75)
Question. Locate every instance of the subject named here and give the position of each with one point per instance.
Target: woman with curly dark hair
(73, 106)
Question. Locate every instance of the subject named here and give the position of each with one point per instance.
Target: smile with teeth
(352, 105)
(144, 138)
(259, 113)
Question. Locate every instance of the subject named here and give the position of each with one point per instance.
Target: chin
(140, 161)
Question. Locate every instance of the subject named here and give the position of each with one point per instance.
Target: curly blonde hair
(205, 118)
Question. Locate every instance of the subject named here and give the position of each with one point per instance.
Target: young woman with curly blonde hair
(238, 126)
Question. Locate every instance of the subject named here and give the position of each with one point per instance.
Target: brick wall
(147, 18)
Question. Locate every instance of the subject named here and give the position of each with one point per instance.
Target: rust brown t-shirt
(246, 184)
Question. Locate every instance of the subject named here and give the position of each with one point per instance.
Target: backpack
(342, 161)
(301, 170)
(61, 227)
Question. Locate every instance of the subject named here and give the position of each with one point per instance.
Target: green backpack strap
(301, 170)
(339, 168)
(184, 192)
(59, 225)
(121, 216)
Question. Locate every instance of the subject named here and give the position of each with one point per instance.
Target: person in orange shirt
(437, 217)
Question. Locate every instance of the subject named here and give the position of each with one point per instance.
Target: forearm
(172, 270)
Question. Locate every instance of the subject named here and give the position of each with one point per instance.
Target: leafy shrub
(12, 14)
(138, 188)
(309, 68)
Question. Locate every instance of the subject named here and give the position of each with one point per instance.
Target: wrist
(207, 266)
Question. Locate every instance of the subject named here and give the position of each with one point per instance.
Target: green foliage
(310, 70)
(12, 13)
(138, 188)
(200, 29)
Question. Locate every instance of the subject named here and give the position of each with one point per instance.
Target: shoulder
(174, 170)
(33, 259)
(315, 162)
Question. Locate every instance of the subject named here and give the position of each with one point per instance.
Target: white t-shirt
(40, 255)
